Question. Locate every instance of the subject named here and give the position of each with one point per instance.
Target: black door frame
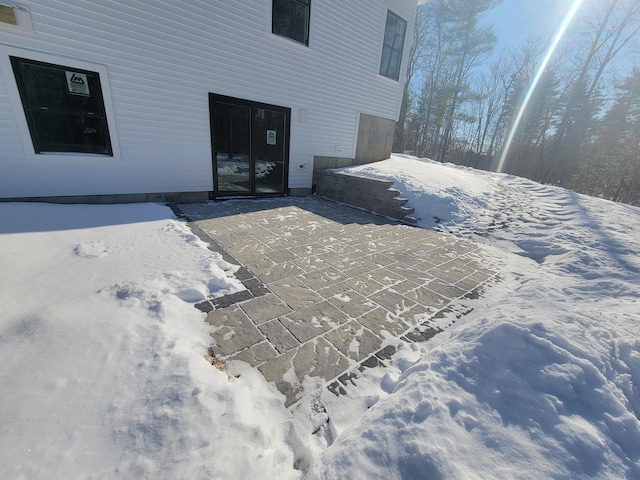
(252, 105)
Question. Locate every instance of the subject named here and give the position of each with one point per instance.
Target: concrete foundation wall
(375, 139)
(300, 192)
(168, 197)
(374, 142)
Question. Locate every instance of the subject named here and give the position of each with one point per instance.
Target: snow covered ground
(542, 379)
(103, 371)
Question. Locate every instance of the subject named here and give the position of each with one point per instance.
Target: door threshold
(246, 197)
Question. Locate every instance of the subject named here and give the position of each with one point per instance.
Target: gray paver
(315, 359)
(233, 331)
(311, 263)
(257, 263)
(281, 256)
(427, 298)
(452, 271)
(410, 272)
(352, 303)
(359, 267)
(312, 321)
(256, 354)
(331, 285)
(264, 308)
(417, 314)
(295, 293)
(381, 320)
(251, 247)
(322, 278)
(364, 284)
(392, 301)
(279, 272)
(385, 277)
(468, 283)
(279, 336)
(354, 341)
(335, 289)
(479, 276)
(445, 289)
(379, 259)
(310, 249)
(404, 287)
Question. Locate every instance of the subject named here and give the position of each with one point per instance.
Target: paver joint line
(328, 286)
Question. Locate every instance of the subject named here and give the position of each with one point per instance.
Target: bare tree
(454, 44)
(575, 130)
(414, 60)
(612, 171)
(472, 44)
(615, 24)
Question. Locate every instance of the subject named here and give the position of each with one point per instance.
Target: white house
(180, 100)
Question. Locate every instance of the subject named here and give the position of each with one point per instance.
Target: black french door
(250, 147)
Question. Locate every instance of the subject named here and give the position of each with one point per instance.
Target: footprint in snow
(91, 250)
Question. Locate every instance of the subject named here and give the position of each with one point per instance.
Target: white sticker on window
(77, 83)
(271, 137)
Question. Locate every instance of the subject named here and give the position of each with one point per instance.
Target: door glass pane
(232, 147)
(269, 142)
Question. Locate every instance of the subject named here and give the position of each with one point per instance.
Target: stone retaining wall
(373, 195)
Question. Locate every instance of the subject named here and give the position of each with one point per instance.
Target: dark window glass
(393, 45)
(232, 147)
(290, 18)
(64, 107)
(269, 150)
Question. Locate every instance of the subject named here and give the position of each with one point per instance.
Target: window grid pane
(290, 18)
(393, 45)
(62, 116)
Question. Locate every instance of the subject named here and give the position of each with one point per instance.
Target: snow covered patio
(104, 373)
(331, 290)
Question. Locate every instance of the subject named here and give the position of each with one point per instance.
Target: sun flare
(552, 48)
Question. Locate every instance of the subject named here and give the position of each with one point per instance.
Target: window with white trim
(64, 107)
(394, 34)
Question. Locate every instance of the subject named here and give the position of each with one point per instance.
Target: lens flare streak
(552, 48)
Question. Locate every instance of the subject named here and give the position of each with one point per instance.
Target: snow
(104, 371)
(542, 379)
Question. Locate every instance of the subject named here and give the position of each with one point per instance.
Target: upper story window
(393, 45)
(7, 15)
(63, 106)
(290, 18)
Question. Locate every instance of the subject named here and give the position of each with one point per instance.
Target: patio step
(373, 195)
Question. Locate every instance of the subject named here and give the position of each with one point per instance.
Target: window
(7, 15)
(64, 107)
(290, 18)
(393, 46)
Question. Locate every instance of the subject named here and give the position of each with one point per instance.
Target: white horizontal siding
(162, 59)
(9, 137)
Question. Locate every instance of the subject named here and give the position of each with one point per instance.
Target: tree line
(581, 125)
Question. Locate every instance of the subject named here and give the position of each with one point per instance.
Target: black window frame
(391, 59)
(65, 109)
(283, 20)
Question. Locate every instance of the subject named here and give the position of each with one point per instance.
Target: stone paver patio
(331, 290)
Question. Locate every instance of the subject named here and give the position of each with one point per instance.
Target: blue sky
(516, 20)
